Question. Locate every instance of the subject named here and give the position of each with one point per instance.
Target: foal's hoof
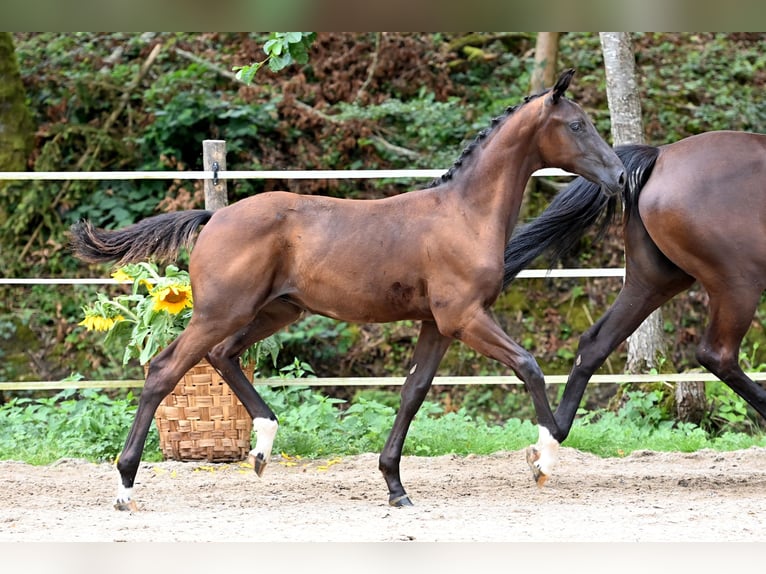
(126, 505)
(400, 501)
(259, 463)
(533, 458)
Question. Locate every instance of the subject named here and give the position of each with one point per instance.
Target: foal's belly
(395, 301)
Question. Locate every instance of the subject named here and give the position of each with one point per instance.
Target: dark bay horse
(693, 210)
(434, 255)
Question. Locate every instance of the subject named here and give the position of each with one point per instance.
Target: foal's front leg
(484, 335)
(429, 351)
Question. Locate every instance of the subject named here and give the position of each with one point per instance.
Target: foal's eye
(575, 126)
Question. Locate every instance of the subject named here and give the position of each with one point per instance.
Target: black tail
(574, 210)
(160, 238)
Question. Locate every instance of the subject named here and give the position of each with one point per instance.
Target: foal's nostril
(621, 179)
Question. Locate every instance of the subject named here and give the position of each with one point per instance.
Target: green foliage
(36, 329)
(91, 425)
(495, 403)
(750, 358)
(282, 49)
(309, 422)
(712, 84)
(641, 424)
(317, 339)
(728, 411)
(296, 370)
(459, 433)
(74, 424)
(314, 425)
(420, 124)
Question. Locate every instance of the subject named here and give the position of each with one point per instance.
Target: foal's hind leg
(429, 351)
(225, 358)
(731, 313)
(165, 370)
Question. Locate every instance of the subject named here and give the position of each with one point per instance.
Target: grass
(85, 424)
(92, 425)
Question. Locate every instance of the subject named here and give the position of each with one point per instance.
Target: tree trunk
(622, 88)
(546, 58)
(543, 76)
(16, 127)
(691, 401)
(646, 344)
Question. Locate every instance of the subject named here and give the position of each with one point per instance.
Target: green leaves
(282, 49)
(84, 424)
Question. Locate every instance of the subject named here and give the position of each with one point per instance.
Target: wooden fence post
(214, 159)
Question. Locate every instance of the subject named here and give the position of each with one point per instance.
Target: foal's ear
(562, 84)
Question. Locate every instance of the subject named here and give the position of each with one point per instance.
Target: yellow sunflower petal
(88, 323)
(174, 298)
(99, 323)
(120, 275)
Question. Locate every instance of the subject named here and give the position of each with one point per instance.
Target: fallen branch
(207, 64)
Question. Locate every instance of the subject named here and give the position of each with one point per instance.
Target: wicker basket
(202, 419)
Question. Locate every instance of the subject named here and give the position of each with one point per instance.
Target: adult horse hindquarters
(693, 210)
(433, 255)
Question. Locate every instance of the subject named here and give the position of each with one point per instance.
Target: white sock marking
(265, 431)
(124, 494)
(548, 447)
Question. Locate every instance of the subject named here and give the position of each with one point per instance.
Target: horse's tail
(574, 210)
(639, 162)
(160, 238)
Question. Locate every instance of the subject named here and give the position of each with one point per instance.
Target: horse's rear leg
(429, 350)
(225, 359)
(731, 314)
(165, 370)
(635, 302)
(651, 279)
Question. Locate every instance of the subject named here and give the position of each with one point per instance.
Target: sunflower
(95, 322)
(149, 317)
(173, 298)
(152, 314)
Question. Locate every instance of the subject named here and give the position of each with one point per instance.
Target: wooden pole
(214, 159)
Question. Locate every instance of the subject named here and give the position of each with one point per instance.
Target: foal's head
(567, 138)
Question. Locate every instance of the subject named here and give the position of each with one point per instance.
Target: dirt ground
(644, 497)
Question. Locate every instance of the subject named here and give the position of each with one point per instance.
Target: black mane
(481, 136)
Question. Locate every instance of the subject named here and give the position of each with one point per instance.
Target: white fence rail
(285, 174)
(215, 175)
(229, 174)
(526, 274)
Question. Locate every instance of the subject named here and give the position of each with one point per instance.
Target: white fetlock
(124, 500)
(265, 432)
(545, 455)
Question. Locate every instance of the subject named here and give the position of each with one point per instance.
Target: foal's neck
(494, 183)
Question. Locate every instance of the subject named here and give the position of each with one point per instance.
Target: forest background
(363, 101)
